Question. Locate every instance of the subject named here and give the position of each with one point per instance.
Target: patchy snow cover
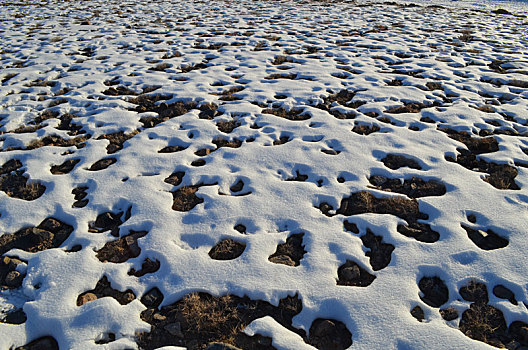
(340, 98)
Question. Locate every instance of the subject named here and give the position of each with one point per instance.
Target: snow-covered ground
(265, 123)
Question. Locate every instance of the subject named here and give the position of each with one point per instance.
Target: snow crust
(124, 37)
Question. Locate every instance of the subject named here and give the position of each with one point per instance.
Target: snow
(123, 36)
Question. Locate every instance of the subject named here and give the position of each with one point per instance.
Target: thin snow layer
(362, 49)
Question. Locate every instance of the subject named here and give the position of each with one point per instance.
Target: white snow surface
(357, 48)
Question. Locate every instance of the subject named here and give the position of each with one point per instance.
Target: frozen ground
(338, 174)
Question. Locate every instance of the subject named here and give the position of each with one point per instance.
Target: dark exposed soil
(365, 129)
(64, 168)
(175, 178)
(449, 314)
(396, 161)
(57, 141)
(148, 266)
(418, 313)
(379, 252)
(121, 250)
(329, 335)
(116, 140)
(227, 249)
(412, 188)
(486, 240)
(227, 126)
(165, 111)
(486, 323)
(410, 108)
(291, 252)
(185, 199)
(474, 292)
(102, 164)
(119, 91)
(79, 194)
(44, 343)
(351, 274)
(208, 111)
(172, 149)
(476, 145)
(295, 114)
(10, 278)
(50, 233)
(16, 185)
(406, 209)
(503, 292)
(237, 186)
(434, 290)
(199, 319)
(109, 221)
(103, 289)
(500, 176)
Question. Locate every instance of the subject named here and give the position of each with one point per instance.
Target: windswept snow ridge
(288, 175)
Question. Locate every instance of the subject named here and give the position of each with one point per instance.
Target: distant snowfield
(385, 145)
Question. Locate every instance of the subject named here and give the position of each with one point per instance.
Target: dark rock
(15, 317)
(351, 274)
(504, 293)
(152, 298)
(221, 346)
(227, 249)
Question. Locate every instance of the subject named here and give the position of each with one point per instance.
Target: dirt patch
(10, 278)
(148, 266)
(476, 145)
(119, 91)
(79, 194)
(237, 187)
(103, 289)
(278, 60)
(379, 252)
(406, 209)
(396, 161)
(228, 95)
(434, 290)
(227, 126)
(410, 108)
(165, 112)
(328, 334)
(199, 319)
(116, 140)
(351, 274)
(102, 164)
(291, 252)
(500, 176)
(486, 240)
(227, 249)
(486, 323)
(109, 221)
(175, 178)
(50, 233)
(418, 313)
(64, 168)
(16, 185)
(365, 129)
(44, 343)
(474, 292)
(412, 188)
(67, 124)
(502, 292)
(172, 149)
(223, 142)
(53, 140)
(449, 314)
(295, 114)
(298, 177)
(121, 250)
(185, 199)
